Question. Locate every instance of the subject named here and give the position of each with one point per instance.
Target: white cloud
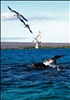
(43, 16)
(7, 16)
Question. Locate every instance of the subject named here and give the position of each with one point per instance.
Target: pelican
(47, 63)
(17, 13)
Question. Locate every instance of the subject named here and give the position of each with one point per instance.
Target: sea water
(20, 81)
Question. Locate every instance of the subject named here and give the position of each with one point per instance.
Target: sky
(49, 17)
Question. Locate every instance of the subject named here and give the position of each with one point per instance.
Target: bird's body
(36, 43)
(38, 37)
(28, 26)
(37, 40)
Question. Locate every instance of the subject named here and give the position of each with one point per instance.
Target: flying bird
(25, 25)
(37, 40)
(17, 13)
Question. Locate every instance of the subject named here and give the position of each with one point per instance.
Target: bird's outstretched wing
(18, 14)
(58, 56)
(21, 20)
(12, 10)
(23, 17)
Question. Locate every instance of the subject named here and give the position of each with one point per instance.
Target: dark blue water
(19, 81)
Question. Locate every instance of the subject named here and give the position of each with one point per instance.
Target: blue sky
(50, 17)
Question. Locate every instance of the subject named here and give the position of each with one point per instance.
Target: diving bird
(17, 13)
(37, 40)
(25, 25)
(48, 63)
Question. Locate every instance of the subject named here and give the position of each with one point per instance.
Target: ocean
(20, 81)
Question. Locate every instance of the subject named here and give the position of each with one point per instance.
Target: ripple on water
(21, 82)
